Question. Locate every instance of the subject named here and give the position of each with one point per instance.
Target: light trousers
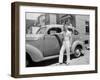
(65, 47)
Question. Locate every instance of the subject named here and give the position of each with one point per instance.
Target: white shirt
(66, 35)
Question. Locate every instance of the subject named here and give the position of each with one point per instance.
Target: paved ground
(83, 59)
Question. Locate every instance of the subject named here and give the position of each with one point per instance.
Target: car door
(51, 45)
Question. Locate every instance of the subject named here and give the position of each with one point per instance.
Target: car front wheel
(78, 52)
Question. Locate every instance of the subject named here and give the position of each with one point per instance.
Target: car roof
(53, 25)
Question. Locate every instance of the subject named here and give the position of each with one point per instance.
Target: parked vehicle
(46, 44)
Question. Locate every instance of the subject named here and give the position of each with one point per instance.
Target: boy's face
(66, 26)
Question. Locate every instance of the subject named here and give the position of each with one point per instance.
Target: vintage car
(46, 44)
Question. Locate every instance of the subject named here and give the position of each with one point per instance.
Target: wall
(5, 40)
(80, 23)
(81, 26)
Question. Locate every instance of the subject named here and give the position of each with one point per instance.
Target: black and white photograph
(51, 39)
(57, 39)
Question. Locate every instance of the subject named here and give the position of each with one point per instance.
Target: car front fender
(75, 44)
(35, 54)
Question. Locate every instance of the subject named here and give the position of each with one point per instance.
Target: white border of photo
(54, 69)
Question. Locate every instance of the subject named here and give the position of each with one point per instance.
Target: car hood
(34, 36)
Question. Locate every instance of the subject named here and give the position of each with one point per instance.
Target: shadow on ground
(48, 62)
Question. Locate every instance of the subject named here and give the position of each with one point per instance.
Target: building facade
(82, 25)
(80, 22)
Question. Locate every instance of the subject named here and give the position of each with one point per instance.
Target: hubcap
(77, 52)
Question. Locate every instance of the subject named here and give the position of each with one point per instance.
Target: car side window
(54, 30)
(76, 32)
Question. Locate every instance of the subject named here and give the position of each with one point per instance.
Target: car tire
(28, 60)
(78, 52)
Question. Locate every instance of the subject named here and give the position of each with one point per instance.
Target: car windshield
(41, 30)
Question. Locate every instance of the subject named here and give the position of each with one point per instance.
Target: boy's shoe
(59, 63)
(67, 63)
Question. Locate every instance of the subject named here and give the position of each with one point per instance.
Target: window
(41, 30)
(87, 27)
(86, 42)
(54, 30)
